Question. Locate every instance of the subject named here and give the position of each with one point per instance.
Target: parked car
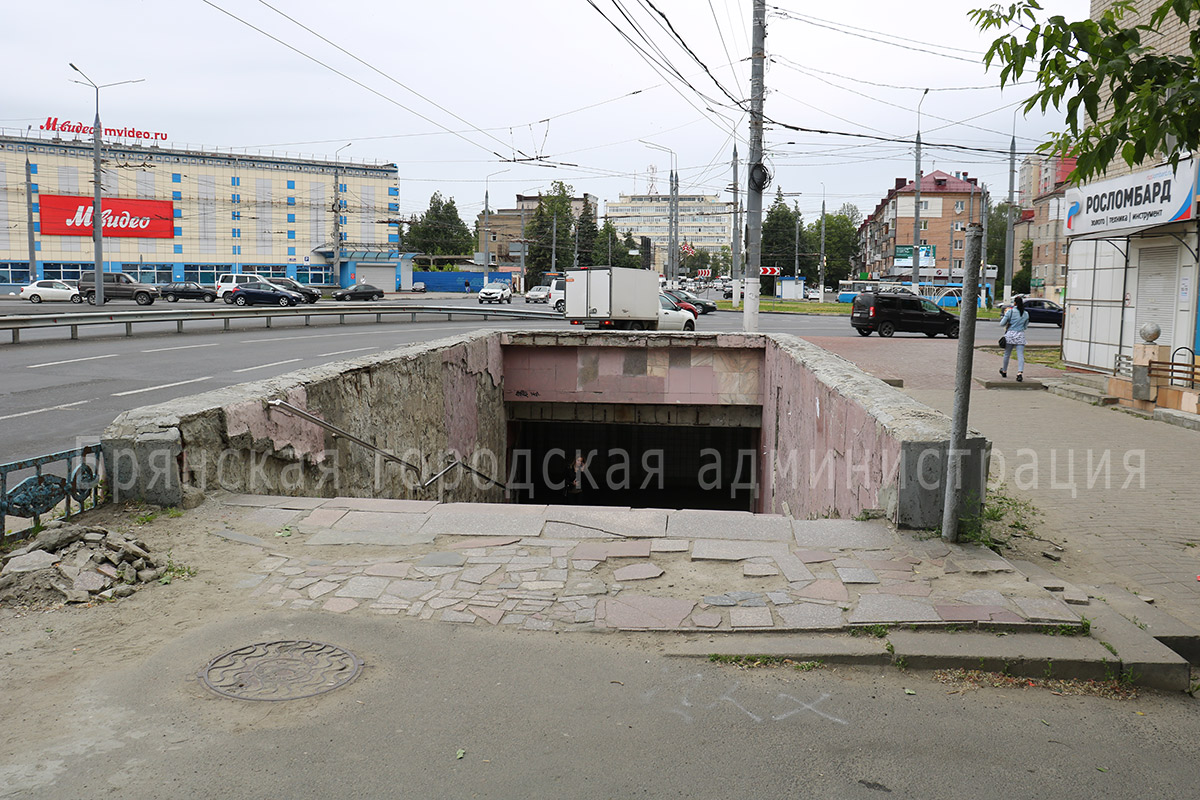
(309, 293)
(495, 292)
(672, 317)
(699, 303)
(186, 290)
(227, 281)
(538, 294)
(117, 286)
(1046, 311)
(50, 290)
(363, 291)
(418, 287)
(889, 312)
(813, 294)
(260, 293)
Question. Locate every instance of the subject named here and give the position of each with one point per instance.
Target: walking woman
(1015, 321)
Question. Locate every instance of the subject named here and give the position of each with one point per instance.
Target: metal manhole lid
(283, 670)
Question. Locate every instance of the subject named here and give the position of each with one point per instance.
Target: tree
(851, 212)
(841, 249)
(1119, 96)
(547, 231)
(587, 237)
(997, 234)
(779, 236)
(698, 260)
(440, 231)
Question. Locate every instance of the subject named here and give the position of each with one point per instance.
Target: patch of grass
(145, 518)
(879, 631)
(174, 570)
(1116, 687)
(760, 661)
(1044, 356)
(173, 512)
(1110, 648)
(1001, 518)
(1084, 628)
(901, 663)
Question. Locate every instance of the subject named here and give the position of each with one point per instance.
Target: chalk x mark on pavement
(162, 386)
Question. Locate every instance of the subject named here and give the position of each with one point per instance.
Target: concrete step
(1093, 380)
(1009, 383)
(1179, 636)
(1068, 593)
(1181, 418)
(1081, 392)
(1144, 660)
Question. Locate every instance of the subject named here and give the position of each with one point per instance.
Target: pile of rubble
(74, 564)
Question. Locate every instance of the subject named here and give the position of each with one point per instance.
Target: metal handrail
(17, 323)
(458, 462)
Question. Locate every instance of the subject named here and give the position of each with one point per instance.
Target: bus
(947, 295)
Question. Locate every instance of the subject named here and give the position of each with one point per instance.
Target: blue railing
(43, 491)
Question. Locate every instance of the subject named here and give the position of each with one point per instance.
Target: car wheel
(284, 302)
(170, 298)
(930, 334)
(76, 299)
(228, 298)
(689, 326)
(312, 300)
(952, 331)
(239, 301)
(863, 331)
(886, 329)
(510, 301)
(143, 299)
(208, 298)
(91, 298)
(35, 298)
(560, 306)
(376, 297)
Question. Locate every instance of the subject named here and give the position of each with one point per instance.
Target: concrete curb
(1144, 661)
(1084, 394)
(1166, 629)
(1010, 383)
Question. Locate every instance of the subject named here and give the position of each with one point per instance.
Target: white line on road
(163, 386)
(355, 350)
(310, 336)
(264, 366)
(40, 410)
(181, 347)
(71, 361)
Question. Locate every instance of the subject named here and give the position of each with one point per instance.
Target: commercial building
(192, 214)
(705, 221)
(501, 231)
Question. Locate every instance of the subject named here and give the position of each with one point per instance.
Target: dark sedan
(363, 291)
(186, 290)
(258, 293)
(1046, 311)
(684, 296)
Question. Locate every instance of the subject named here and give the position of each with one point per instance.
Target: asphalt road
(56, 393)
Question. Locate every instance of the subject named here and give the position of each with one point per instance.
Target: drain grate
(283, 670)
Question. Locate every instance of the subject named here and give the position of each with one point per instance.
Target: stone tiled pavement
(1143, 535)
(579, 568)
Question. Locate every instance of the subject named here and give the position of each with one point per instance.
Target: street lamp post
(97, 216)
(487, 261)
(337, 214)
(672, 266)
(916, 245)
(821, 265)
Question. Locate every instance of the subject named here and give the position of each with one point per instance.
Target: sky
(468, 96)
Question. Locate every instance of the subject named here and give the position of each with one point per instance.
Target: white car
(48, 290)
(538, 294)
(813, 294)
(230, 280)
(495, 292)
(673, 318)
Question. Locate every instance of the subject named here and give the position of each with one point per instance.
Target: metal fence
(36, 486)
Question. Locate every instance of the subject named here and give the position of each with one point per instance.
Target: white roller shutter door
(1158, 274)
(381, 276)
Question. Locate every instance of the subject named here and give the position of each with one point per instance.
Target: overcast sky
(450, 89)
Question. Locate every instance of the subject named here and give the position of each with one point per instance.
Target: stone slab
(706, 619)
(484, 541)
(826, 648)
(625, 522)
(30, 562)
(727, 550)
(637, 572)
(759, 570)
(824, 589)
(857, 575)
(636, 612)
(363, 587)
(485, 519)
(382, 504)
(389, 570)
(602, 551)
(885, 608)
(811, 616)
(815, 556)
(273, 501)
(669, 546)
(742, 617)
(321, 518)
(241, 538)
(441, 559)
(844, 534)
(1037, 609)
(735, 525)
(1022, 654)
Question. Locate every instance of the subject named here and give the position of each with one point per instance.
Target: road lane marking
(162, 386)
(264, 366)
(342, 352)
(310, 336)
(40, 410)
(181, 347)
(70, 361)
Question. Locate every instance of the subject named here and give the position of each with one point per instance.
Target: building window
(924, 224)
(924, 243)
(14, 272)
(291, 201)
(235, 181)
(291, 184)
(177, 213)
(959, 206)
(291, 251)
(958, 244)
(291, 217)
(236, 233)
(291, 234)
(178, 231)
(924, 205)
(178, 249)
(176, 195)
(176, 177)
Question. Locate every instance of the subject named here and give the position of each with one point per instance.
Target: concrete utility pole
(953, 503)
(983, 248)
(554, 244)
(735, 269)
(524, 246)
(337, 215)
(821, 265)
(916, 244)
(1009, 253)
(673, 256)
(33, 276)
(758, 177)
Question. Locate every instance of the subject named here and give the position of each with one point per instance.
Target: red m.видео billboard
(66, 215)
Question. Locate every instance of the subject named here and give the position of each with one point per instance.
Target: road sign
(704, 273)
(768, 270)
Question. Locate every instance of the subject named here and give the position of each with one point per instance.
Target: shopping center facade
(192, 213)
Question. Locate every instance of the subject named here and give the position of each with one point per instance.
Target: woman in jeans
(1015, 321)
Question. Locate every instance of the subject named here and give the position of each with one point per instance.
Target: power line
(906, 44)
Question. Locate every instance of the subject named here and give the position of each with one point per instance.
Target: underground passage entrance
(642, 465)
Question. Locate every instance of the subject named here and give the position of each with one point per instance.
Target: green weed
(879, 631)
(173, 512)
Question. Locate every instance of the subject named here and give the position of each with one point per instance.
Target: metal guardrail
(15, 324)
(41, 492)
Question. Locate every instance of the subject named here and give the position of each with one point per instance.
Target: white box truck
(613, 297)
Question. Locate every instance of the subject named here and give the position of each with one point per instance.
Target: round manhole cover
(285, 670)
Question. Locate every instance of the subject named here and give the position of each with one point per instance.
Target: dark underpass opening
(636, 465)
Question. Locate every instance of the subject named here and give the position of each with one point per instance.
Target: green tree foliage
(543, 239)
(841, 249)
(779, 236)
(1154, 107)
(589, 237)
(440, 231)
(997, 232)
(851, 212)
(692, 264)
(721, 261)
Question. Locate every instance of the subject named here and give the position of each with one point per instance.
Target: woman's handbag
(1003, 342)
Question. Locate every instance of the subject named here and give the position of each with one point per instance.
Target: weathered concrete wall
(416, 402)
(837, 440)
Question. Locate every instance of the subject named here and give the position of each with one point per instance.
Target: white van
(558, 294)
(230, 280)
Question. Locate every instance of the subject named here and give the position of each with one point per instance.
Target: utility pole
(758, 173)
(916, 244)
(673, 255)
(575, 258)
(796, 249)
(524, 245)
(953, 498)
(337, 214)
(33, 270)
(735, 269)
(983, 253)
(554, 244)
(1008, 236)
(821, 266)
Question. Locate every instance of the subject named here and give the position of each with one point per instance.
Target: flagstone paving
(565, 569)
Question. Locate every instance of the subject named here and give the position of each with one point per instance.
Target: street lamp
(673, 219)
(487, 259)
(97, 217)
(916, 245)
(337, 214)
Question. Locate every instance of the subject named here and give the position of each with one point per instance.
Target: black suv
(117, 286)
(888, 312)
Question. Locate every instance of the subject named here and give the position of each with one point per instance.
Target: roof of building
(938, 181)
